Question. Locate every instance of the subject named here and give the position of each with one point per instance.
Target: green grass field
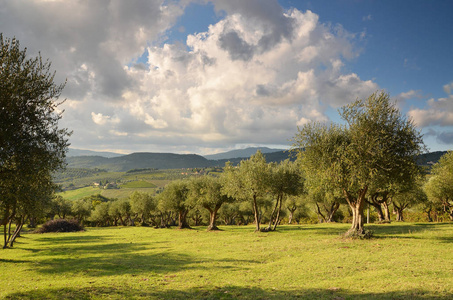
(403, 261)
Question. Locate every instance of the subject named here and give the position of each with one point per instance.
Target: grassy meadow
(402, 261)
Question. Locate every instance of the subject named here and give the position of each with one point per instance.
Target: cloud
(445, 137)
(89, 42)
(409, 94)
(367, 18)
(439, 112)
(251, 78)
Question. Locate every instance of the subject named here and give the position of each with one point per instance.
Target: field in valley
(403, 261)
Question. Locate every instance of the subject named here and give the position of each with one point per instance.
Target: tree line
(368, 159)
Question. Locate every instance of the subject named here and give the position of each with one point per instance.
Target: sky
(211, 76)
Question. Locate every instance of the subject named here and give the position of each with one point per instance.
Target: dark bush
(60, 225)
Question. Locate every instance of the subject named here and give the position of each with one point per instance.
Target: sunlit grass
(403, 261)
(138, 184)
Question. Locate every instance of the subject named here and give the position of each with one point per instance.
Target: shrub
(60, 225)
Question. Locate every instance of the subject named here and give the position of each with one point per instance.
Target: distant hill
(429, 159)
(79, 152)
(139, 161)
(178, 161)
(247, 152)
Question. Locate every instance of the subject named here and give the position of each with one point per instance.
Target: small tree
(141, 206)
(248, 182)
(293, 203)
(206, 191)
(100, 215)
(439, 187)
(285, 180)
(175, 198)
(81, 208)
(120, 210)
(61, 207)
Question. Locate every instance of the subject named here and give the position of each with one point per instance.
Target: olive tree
(439, 187)
(142, 204)
(250, 181)
(206, 191)
(175, 197)
(408, 198)
(377, 144)
(32, 146)
(285, 180)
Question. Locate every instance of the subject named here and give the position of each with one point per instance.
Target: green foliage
(439, 187)
(378, 145)
(248, 182)
(32, 146)
(175, 197)
(100, 215)
(143, 205)
(206, 192)
(81, 209)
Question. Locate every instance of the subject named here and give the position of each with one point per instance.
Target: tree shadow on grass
(69, 238)
(398, 230)
(119, 259)
(113, 259)
(227, 292)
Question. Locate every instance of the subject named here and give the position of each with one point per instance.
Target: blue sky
(211, 76)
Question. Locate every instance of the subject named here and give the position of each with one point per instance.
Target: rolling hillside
(240, 153)
(139, 161)
(178, 161)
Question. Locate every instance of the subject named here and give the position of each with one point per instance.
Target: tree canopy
(376, 145)
(439, 187)
(32, 146)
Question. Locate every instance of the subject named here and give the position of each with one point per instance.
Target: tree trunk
(182, 219)
(428, 214)
(271, 219)
(319, 212)
(256, 213)
(291, 214)
(277, 219)
(399, 215)
(333, 209)
(356, 205)
(379, 211)
(385, 205)
(213, 218)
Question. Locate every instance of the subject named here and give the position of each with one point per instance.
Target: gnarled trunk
(182, 221)
(291, 213)
(213, 218)
(385, 205)
(357, 206)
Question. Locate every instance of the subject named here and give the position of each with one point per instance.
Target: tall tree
(31, 143)
(248, 182)
(376, 145)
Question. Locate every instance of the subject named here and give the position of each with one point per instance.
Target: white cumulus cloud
(251, 78)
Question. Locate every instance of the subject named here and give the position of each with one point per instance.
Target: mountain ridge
(247, 152)
(141, 160)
